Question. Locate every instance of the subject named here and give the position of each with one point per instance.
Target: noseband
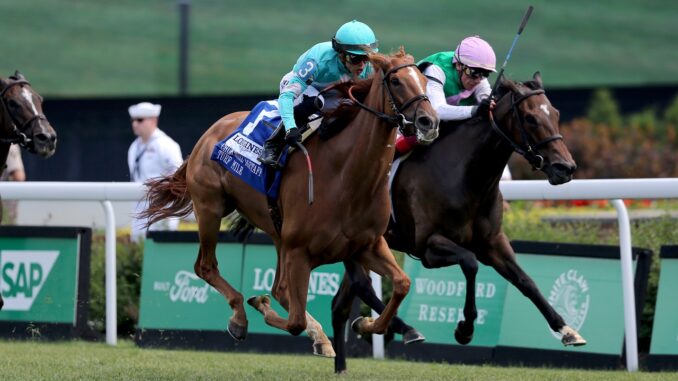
(528, 149)
(398, 118)
(18, 134)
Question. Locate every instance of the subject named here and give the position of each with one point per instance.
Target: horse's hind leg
(502, 257)
(361, 285)
(206, 266)
(442, 252)
(380, 260)
(341, 309)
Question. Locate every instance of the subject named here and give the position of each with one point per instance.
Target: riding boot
(273, 147)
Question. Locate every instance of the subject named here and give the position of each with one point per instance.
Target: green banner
(258, 275)
(39, 279)
(435, 303)
(173, 297)
(586, 292)
(665, 328)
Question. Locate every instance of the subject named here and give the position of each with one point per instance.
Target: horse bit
(399, 118)
(18, 134)
(529, 151)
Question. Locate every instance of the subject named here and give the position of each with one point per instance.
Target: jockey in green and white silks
(457, 83)
(339, 60)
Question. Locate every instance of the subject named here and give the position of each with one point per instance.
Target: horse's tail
(167, 197)
(241, 228)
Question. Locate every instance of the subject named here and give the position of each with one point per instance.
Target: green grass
(88, 361)
(126, 47)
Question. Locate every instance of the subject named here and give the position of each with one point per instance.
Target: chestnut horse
(23, 122)
(448, 207)
(347, 219)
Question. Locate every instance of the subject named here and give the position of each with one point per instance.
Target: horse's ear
(511, 85)
(19, 76)
(537, 78)
(4, 82)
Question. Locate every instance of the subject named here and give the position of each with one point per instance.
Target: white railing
(613, 190)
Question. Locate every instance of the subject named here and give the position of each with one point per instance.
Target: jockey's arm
(436, 94)
(304, 72)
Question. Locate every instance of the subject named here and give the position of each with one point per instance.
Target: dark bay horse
(448, 207)
(23, 122)
(347, 219)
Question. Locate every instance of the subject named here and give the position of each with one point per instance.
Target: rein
(18, 134)
(527, 150)
(398, 118)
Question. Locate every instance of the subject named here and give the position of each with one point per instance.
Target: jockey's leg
(273, 146)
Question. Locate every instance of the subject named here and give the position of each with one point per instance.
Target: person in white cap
(152, 154)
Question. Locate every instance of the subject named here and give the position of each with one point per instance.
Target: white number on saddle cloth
(270, 114)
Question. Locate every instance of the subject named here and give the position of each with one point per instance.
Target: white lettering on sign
(447, 314)
(431, 287)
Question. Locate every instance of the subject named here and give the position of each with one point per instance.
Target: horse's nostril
(565, 168)
(424, 121)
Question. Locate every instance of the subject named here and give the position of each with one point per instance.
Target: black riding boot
(274, 144)
(273, 147)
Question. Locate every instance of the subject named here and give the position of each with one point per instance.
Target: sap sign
(23, 274)
(44, 279)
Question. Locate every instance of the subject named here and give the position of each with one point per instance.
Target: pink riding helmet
(475, 52)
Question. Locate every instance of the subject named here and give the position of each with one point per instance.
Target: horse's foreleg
(441, 252)
(502, 258)
(381, 261)
(206, 267)
(322, 346)
(291, 291)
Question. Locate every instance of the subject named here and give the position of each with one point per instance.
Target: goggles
(475, 73)
(356, 59)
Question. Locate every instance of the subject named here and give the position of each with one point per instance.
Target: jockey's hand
(484, 107)
(293, 136)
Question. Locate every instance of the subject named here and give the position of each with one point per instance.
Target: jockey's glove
(483, 108)
(293, 136)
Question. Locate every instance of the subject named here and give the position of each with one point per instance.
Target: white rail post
(111, 282)
(631, 337)
(377, 340)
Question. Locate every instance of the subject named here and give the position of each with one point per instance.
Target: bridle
(398, 118)
(18, 134)
(528, 149)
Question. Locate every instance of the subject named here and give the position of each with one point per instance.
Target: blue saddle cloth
(239, 152)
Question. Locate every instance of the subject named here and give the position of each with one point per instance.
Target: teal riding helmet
(356, 38)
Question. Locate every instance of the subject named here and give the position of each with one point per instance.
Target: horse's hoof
(324, 350)
(238, 332)
(413, 336)
(461, 337)
(257, 301)
(359, 323)
(571, 337)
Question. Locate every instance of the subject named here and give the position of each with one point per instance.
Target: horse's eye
(531, 119)
(13, 104)
(395, 81)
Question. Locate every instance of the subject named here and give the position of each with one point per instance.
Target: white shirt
(436, 95)
(160, 156)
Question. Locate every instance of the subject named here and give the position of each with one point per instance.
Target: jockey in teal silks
(342, 59)
(457, 83)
